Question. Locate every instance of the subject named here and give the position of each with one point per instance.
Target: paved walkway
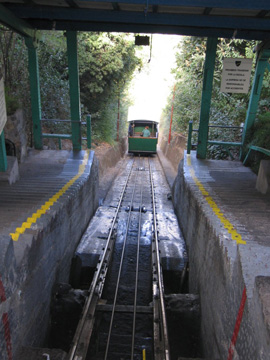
(42, 175)
(242, 210)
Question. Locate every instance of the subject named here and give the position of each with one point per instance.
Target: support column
(35, 91)
(209, 67)
(74, 89)
(261, 65)
(3, 154)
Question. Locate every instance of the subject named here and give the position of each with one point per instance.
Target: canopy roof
(245, 19)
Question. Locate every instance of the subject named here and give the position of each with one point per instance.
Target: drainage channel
(132, 266)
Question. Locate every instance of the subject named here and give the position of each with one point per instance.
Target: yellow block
(31, 220)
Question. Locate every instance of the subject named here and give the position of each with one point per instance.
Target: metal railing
(255, 148)
(225, 144)
(60, 137)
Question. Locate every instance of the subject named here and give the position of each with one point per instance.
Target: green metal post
(74, 89)
(3, 154)
(88, 129)
(261, 65)
(35, 91)
(209, 67)
(190, 128)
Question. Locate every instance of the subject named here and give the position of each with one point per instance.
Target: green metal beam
(3, 154)
(88, 129)
(20, 26)
(209, 67)
(35, 91)
(74, 89)
(262, 64)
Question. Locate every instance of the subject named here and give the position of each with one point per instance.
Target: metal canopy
(245, 19)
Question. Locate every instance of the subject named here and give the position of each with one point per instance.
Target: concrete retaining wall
(39, 259)
(110, 157)
(174, 151)
(217, 275)
(15, 131)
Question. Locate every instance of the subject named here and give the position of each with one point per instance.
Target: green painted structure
(142, 145)
(209, 67)
(35, 91)
(88, 131)
(262, 64)
(211, 19)
(3, 155)
(74, 89)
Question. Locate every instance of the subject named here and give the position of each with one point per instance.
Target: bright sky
(151, 87)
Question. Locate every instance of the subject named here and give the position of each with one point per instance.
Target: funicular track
(124, 316)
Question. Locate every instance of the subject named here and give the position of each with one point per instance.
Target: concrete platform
(42, 218)
(225, 222)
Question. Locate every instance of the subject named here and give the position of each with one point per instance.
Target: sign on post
(3, 111)
(236, 75)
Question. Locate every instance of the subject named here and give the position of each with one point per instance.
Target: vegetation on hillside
(226, 109)
(106, 64)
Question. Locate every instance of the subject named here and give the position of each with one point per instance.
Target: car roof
(141, 121)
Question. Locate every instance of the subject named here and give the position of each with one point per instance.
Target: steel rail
(78, 334)
(137, 273)
(120, 269)
(159, 294)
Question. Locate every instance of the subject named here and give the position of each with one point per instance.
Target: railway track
(124, 315)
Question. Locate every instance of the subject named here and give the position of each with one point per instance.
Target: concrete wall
(174, 151)
(216, 274)
(15, 131)
(39, 259)
(110, 157)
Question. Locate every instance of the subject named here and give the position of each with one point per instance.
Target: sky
(151, 87)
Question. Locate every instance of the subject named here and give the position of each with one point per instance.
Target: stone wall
(110, 156)
(15, 131)
(217, 273)
(40, 258)
(174, 151)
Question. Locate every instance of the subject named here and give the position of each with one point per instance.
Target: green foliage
(13, 67)
(12, 103)
(226, 109)
(259, 135)
(261, 131)
(106, 64)
(53, 72)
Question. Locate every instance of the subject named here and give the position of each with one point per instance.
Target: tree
(226, 109)
(106, 64)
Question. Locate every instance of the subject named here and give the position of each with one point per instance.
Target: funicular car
(137, 141)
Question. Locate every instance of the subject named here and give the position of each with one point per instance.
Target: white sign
(236, 75)
(3, 111)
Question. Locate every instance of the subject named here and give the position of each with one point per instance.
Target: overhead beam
(228, 4)
(133, 17)
(262, 13)
(72, 3)
(151, 29)
(15, 23)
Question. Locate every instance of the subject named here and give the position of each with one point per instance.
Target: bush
(259, 135)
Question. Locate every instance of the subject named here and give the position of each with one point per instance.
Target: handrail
(69, 136)
(212, 142)
(256, 148)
